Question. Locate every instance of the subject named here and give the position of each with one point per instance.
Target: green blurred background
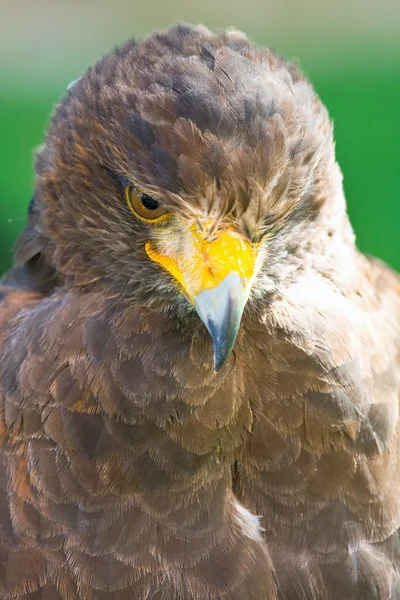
(350, 50)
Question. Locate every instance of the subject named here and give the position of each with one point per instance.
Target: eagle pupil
(149, 202)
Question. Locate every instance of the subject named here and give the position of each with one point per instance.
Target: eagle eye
(144, 207)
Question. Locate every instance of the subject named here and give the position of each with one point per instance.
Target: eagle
(199, 371)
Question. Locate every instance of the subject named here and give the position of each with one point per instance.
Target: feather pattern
(129, 469)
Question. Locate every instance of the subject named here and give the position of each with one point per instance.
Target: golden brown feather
(130, 469)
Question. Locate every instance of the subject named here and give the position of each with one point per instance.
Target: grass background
(351, 52)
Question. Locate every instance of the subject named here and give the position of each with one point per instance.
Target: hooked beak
(216, 277)
(221, 309)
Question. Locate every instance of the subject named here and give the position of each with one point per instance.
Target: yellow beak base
(216, 278)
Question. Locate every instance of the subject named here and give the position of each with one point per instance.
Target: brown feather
(128, 468)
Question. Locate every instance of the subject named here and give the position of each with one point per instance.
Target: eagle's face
(183, 171)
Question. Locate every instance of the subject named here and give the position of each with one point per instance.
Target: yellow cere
(210, 262)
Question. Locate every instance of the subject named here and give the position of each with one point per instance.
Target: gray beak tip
(221, 309)
(219, 361)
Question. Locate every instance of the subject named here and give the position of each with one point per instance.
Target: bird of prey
(199, 372)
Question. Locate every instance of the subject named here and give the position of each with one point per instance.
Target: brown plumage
(130, 468)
